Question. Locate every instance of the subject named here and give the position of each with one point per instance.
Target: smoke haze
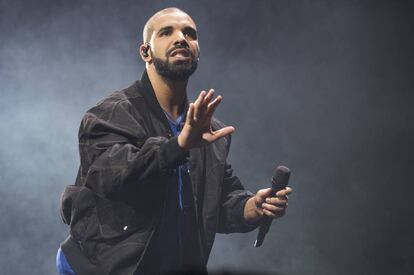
(323, 87)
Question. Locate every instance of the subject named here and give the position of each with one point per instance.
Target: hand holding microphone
(273, 201)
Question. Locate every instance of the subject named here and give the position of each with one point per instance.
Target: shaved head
(170, 44)
(149, 26)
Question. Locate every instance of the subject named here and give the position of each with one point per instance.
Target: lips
(180, 51)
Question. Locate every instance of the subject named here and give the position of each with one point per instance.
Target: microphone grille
(281, 175)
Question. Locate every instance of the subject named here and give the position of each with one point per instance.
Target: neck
(170, 94)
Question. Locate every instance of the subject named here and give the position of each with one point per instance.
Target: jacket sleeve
(115, 149)
(233, 200)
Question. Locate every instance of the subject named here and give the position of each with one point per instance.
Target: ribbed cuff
(173, 154)
(246, 225)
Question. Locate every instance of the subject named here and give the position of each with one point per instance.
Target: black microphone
(280, 180)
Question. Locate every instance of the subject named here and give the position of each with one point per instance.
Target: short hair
(149, 28)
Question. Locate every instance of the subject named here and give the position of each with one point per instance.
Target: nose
(180, 39)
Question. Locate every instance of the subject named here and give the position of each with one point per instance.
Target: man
(154, 185)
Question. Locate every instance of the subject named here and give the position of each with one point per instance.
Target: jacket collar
(149, 95)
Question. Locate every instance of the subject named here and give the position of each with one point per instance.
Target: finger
(198, 101)
(274, 200)
(209, 96)
(277, 201)
(220, 133)
(278, 198)
(273, 215)
(284, 192)
(200, 97)
(261, 195)
(190, 114)
(273, 208)
(204, 103)
(268, 213)
(213, 105)
(197, 104)
(264, 193)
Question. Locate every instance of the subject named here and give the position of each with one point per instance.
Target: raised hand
(197, 129)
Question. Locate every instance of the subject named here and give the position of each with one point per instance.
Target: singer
(154, 185)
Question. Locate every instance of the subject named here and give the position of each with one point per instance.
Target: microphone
(280, 180)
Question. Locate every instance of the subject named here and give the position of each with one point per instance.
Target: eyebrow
(169, 28)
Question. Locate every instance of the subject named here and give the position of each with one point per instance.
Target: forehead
(174, 19)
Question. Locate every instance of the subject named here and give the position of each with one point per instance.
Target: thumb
(262, 194)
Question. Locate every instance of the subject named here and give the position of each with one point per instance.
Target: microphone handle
(266, 220)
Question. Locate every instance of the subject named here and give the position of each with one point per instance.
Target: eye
(165, 33)
(190, 33)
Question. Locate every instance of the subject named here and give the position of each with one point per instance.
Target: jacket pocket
(117, 219)
(114, 233)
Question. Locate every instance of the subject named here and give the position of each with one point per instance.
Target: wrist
(181, 143)
(252, 213)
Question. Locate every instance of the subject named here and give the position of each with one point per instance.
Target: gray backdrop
(324, 87)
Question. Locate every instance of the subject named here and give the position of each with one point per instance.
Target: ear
(145, 53)
(199, 52)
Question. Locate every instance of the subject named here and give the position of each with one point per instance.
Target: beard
(177, 71)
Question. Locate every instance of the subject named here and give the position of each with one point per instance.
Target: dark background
(324, 87)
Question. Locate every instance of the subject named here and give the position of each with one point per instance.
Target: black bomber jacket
(127, 157)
